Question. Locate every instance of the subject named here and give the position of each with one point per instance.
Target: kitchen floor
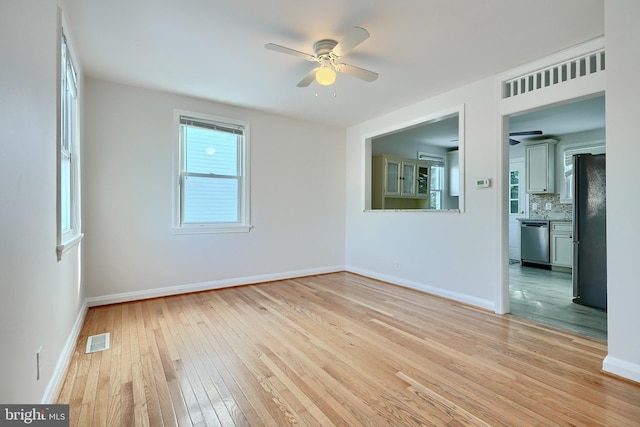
(545, 296)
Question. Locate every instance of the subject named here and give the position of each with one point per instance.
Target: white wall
(39, 296)
(450, 254)
(455, 255)
(297, 198)
(622, 25)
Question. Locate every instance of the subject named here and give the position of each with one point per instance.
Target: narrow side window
(68, 167)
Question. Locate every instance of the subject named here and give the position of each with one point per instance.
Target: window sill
(68, 244)
(211, 229)
(414, 210)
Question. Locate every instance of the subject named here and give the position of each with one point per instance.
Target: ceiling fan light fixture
(328, 53)
(325, 76)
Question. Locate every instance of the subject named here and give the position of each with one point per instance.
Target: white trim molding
(207, 286)
(60, 370)
(423, 287)
(621, 368)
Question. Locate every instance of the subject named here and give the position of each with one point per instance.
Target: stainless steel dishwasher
(534, 242)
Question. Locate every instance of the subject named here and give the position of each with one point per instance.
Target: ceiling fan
(524, 133)
(328, 54)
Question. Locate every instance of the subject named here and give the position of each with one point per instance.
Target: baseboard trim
(60, 370)
(207, 286)
(621, 368)
(444, 293)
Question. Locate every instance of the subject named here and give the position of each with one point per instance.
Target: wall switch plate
(547, 206)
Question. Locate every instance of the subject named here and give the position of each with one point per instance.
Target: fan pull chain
(335, 93)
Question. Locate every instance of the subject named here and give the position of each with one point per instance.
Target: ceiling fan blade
(353, 38)
(306, 81)
(513, 142)
(286, 50)
(357, 72)
(525, 133)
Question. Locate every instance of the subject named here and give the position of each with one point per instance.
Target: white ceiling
(558, 120)
(214, 49)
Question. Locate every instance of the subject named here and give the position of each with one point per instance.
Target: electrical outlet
(534, 206)
(38, 362)
(396, 265)
(547, 206)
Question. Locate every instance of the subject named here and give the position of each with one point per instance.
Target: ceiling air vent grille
(97, 343)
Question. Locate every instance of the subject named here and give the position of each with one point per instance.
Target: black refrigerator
(589, 231)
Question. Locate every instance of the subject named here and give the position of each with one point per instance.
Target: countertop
(546, 219)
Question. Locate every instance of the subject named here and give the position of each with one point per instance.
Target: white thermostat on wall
(483, 183)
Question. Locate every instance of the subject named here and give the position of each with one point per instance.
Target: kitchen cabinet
(399, 183)
(561, 234)
(540, 168)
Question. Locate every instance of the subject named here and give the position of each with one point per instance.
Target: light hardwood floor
(336, 349)
(546, 296)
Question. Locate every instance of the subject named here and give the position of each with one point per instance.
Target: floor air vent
(97, 343)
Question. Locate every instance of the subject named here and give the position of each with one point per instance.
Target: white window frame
(67, 151)
(437, 166)
(243, 224)
(594, 147)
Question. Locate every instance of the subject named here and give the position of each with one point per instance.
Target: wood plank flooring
(545, 296)
(336, 349)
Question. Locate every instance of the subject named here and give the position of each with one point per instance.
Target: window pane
(436, 177)
(65, 194)
(514, 192)
(514, 207)
(514, 177)
(211, 152)
(393, 175)
(436, 200)
(423, 180)
(210, 200)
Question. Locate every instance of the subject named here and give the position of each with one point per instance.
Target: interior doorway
(544, 292)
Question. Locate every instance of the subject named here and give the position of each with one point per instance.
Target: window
(68, 180)
(514, 191)
(569, 152)
(212, 187)
(436, 170)
(436, 187)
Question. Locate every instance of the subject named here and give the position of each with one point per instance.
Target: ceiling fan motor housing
(324, 47)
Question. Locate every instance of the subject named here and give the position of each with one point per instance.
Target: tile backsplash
(561, 211)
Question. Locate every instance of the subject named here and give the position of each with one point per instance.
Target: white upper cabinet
(540, 168)
(408, 179)
(400, 183)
